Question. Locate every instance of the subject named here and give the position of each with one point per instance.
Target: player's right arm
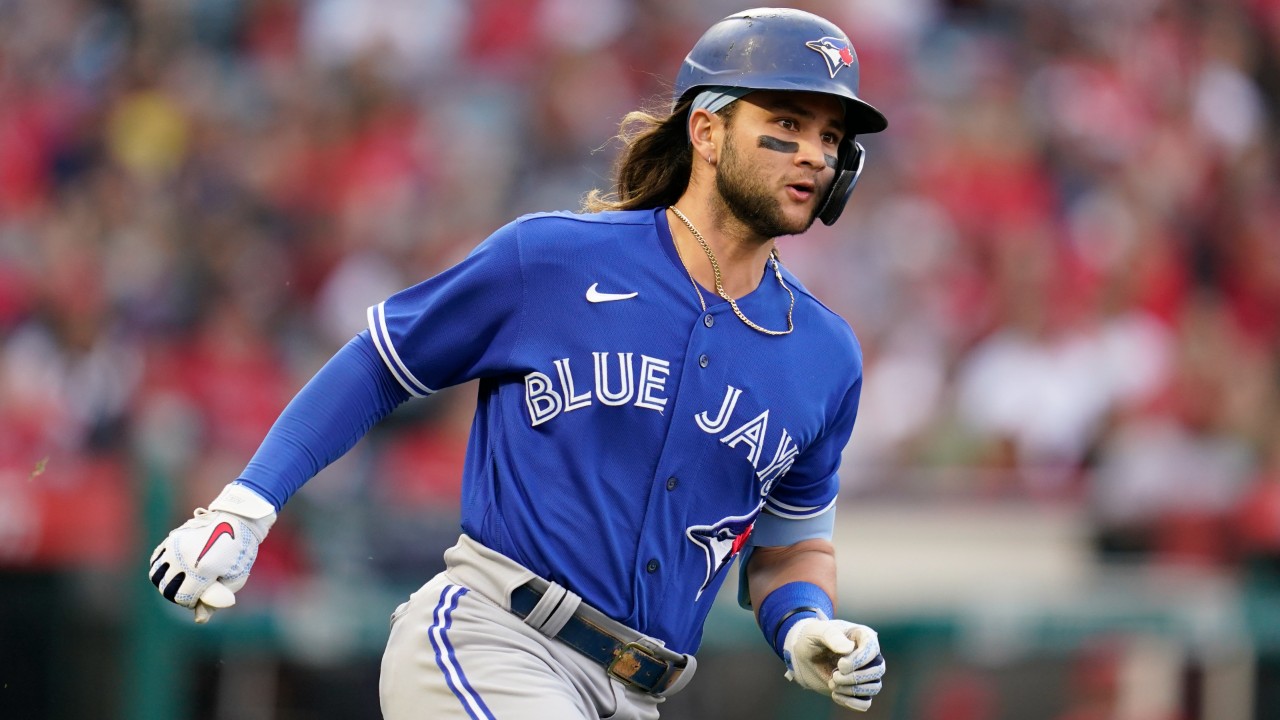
(450, 328)
(202, 564)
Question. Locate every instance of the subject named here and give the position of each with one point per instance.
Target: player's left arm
(812, 561)
(789, 572)
(792, 588)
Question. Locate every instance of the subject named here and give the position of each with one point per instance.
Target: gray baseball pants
(456, 651)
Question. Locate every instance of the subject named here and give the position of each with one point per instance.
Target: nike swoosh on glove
(202, 563)
(835, 658)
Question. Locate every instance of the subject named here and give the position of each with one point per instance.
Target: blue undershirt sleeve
(347, 397)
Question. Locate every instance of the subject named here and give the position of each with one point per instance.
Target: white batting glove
(835, 658)
(202, 564)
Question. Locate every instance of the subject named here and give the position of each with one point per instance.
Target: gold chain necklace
(715, 267)
(696, 288)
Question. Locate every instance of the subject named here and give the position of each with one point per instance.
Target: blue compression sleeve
(349, 395)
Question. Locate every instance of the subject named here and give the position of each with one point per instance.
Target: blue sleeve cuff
(771, 530)
(347, 397)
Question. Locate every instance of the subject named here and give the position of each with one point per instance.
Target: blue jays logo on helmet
(721, 542)
(836, 51)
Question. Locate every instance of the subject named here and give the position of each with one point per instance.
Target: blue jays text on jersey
(625, 442)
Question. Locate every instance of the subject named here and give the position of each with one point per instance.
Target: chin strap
(849, 169)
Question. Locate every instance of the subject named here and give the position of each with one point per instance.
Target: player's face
(779, 159)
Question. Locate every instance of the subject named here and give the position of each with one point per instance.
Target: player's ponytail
(653, 167)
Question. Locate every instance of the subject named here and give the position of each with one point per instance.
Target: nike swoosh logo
(223, 528)
(595, 296)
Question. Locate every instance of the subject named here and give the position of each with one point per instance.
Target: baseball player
(658, 396)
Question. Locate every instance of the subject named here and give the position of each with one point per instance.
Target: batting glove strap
(257, 512)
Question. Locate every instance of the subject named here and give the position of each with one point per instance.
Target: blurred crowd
(1063, 260)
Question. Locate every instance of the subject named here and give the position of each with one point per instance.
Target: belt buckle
(625, 665)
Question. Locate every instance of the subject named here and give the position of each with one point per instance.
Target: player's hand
(202, 564)
(835, 658)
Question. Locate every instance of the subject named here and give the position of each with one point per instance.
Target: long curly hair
(655, 163)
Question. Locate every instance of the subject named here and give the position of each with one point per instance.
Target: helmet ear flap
(848, 169)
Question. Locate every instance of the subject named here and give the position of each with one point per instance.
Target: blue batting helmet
(786, 49)
(779, 49)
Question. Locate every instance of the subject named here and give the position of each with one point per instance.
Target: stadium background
(1062, 500)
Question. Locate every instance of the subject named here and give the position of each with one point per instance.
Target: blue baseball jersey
(626, 442)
